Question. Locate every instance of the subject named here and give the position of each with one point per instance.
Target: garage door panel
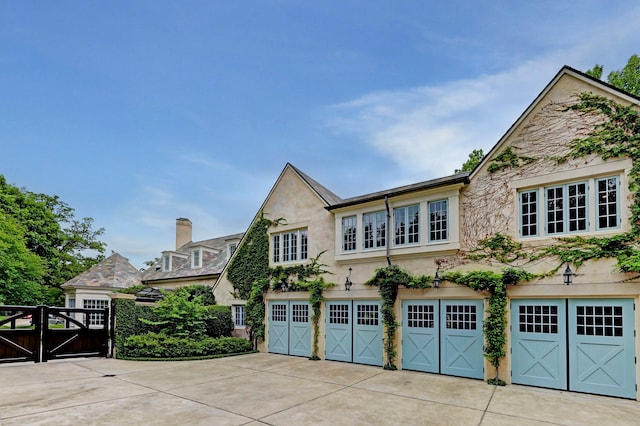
(420, 336)
(367, 331)
(462, 338)
(602, 346)
(299, 329)
(539, 343)
(278, 328)
(338, 339)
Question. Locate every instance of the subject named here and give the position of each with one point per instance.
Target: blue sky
(136, 113)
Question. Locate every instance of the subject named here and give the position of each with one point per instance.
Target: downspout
(388, 230)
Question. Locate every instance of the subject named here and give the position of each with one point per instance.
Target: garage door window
(279, 312)
(599, 321)
(338, 314)
(538, 319)
(420, 316)
(367, 315)
(300, 313)
(461, 317)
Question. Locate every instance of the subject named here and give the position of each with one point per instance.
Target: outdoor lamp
(568, 275)
(436, 280)
(283, 285)
(347, 282)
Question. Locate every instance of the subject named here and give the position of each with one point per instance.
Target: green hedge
(155, 345)
(219, 322)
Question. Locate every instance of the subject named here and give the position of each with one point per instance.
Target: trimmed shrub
(156, 345)
(218, 321)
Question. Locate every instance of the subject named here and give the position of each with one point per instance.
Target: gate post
(39, 317)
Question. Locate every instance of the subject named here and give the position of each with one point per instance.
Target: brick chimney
(183, 232)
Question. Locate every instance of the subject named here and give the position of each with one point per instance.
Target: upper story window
(375, 233)
(232, 248)
(566, 208)
(406, 222)
(438, 220)
(349, 230)
(290, 246)
(196, 258)
(166, 263)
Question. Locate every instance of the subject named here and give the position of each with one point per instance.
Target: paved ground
(280, 390)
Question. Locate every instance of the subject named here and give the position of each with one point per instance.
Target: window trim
(195, 264)
(407, 224)
(447, 228)
(377, 242)
(349, 233)
(239, 322)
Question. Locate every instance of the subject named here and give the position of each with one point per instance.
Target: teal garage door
(420, 336)
(354, 332)
(539, 347)
(583, 345)
(367, 332)
(289, 328)
(602, 347)
(339, 331)
(461, 338)
(278, 327)
(443, 336)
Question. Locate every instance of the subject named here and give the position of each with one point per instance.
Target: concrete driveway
(280, 390)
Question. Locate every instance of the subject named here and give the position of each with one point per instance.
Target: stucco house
(572, 326)
(91, 289)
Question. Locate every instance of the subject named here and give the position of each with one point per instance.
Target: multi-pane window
(420, 316)
(566, 208)
(238, 315)
(538, 319)
(367, 315)
(349, 228)
(461, 317)
(166, 263)
(339, 314)
(406, 222)
(375, 233)
(279, 312)
(438, 220)
(95, 318)
(529, 213)
(299, 313)
(607, 196)
(290, 246)
(599, 321)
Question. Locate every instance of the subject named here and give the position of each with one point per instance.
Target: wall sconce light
(347, 282)
(568, 275)
(283, 286)
(436, 279)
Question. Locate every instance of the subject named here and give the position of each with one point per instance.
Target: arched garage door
(443, 336)
(584, 345)
(289, 328)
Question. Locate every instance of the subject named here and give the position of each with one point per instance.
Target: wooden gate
(41, 333)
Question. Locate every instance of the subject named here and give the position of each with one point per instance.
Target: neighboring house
(91, 289)
(193, 263)
(578, 337)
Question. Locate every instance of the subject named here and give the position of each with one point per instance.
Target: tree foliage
(66, 246)
(627, 79)
(474, 159)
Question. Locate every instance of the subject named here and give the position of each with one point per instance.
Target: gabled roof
(113, 272)
(213, 262)
(429, 184)
(565, 70)
(326, 195)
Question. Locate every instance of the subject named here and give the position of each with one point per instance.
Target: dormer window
(196, 258)
(166, 263)
(232, 248)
